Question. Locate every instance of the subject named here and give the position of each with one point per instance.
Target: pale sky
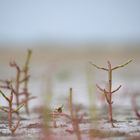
(96, 20)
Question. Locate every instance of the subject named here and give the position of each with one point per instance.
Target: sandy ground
(53, 72)
(127, 126)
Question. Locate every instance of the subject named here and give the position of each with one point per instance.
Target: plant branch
(4, 96)
(98, 67)
(100, 88)
(116, 89)
(120, 66)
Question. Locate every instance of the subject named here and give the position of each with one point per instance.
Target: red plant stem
(110, 92)
(75, 124)
(12, 128)
(10, 111)
(18, 73)
(74, 117)
(17, 86)
(135, 107)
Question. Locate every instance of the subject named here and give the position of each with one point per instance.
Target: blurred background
(64, 36)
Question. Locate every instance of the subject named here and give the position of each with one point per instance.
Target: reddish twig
(108, 93)
(17, 83)
(10, 111)
(135, 107)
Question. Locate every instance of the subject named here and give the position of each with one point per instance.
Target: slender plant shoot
(109, 92)
(10, 111)
(26, 71)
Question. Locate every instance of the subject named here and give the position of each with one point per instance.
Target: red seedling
(73, 116)
(109, 92)
(10, 111)
(135, 107)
